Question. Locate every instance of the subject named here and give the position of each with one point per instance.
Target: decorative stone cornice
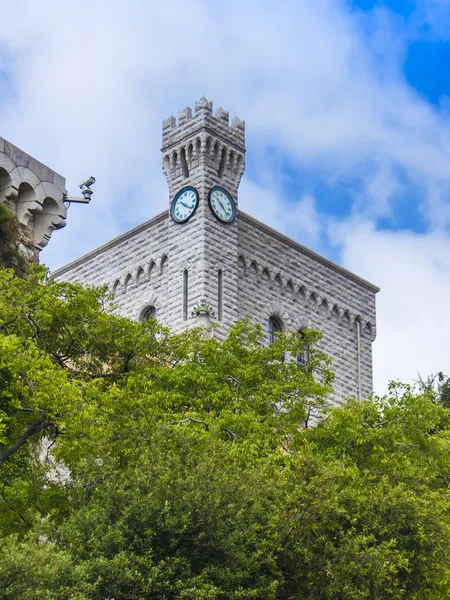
(35, 193)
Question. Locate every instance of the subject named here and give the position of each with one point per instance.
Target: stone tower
(204, 261)
(203, 151)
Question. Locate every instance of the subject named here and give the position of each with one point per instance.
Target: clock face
(222, 205)
(184, 204)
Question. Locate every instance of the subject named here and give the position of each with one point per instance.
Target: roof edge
(304, 250)
(120, 238)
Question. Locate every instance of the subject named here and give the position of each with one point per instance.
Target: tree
(10, 256)
(438, 387)
(138, 464)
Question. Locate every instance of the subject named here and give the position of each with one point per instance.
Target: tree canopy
(139, 464)
(10, 255)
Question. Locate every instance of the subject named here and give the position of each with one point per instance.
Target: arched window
(275, 328)
(148, 313)
(303, 356)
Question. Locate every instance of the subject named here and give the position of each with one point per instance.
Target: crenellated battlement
(200, 144)
(203, 114)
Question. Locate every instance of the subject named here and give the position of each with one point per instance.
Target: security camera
(85, 188)
(88, 183)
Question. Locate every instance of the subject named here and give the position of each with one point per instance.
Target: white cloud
(320, 87)
(413, 271)
(301, 221)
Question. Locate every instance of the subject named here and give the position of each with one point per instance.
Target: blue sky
(347, 109)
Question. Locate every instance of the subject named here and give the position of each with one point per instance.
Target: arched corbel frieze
(39, 205)
(163, 263)
(7, 191)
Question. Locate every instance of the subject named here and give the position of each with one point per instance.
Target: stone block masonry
(35, 193)
(238, 269)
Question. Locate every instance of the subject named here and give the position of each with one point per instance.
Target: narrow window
(223, 160)
(275, 328)
(148, 313)
(184, 166)
(220, 294)
(303, 356)
(185, 294)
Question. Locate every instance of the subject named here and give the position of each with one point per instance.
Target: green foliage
(138, 464)
(438, 387)
(10, 256)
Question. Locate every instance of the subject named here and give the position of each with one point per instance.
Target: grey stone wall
(265, 274)
(279, 277)
(134, 266)
(262, 272)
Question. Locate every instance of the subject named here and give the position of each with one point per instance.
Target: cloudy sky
(347, 109)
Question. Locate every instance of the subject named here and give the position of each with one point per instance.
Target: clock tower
(204, 262)
(203, 160)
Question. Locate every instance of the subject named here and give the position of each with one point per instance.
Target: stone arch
(277, 309)
(6, 163)
(5, 183)
(301, 322)
(25, 204)
(163, 264)
(223, 160)
(242, 266)
(346, 319)
(117, 287)
(290, 287)
(166, 166)
(275, 327)
(140, 275)
(174, 164)
(253, 269)
(198, 147)
(141, 305)
(126, 284)
(215, 154)
(231, 159)
(313, 299)
(302, 292)
(323, 308)
(335, 314)
(368, 329)
(38, 204)
(151, 269)
(184, 165)
(190, 155)
(239, 166)
(355, 323)
(51, 216)
(277, 281)
(265, 275)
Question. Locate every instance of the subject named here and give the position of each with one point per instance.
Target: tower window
(275, 328)
(220, 294)
(303, 356)
(148, 313)
(185, 294)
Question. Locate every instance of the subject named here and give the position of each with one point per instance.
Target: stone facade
(243, 268)
(35, 193)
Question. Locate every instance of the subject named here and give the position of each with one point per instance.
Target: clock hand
(223, 208)
(186, 205)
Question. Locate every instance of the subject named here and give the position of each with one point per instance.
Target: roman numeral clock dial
(222, 205)
(184, 204)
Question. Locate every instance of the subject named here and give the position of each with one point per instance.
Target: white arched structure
(35, 193)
